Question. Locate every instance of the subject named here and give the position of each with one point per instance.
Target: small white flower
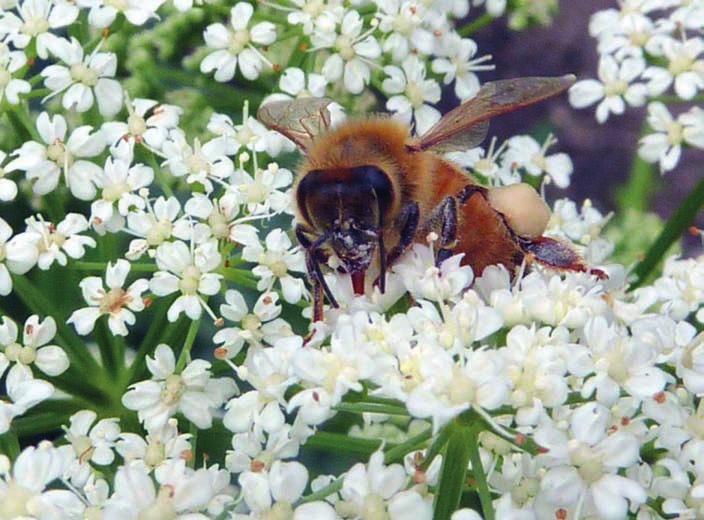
(235, 46)
(261, 325)
(614, 89)
(192, 392)
(353, 52)
(83, 79)
(35, 21)
(402, 21)
(119, 185)
(103, 12)
(525, 152)
(685, 68)
(23, 392)
(178, 492)
(115, 302)
(157, 447)
(275, 261)
(25, 487)
(186, 271)
(55, 241)
(412, 91)
(33, 350)
(264, 191)
(11, 62)
(20, 254)
(45, 162)
(202, 164)
(294, 83)
(665, 144)
(155, 226)
(93, 442)
(8, 187)
(148, 123)
(459, 65)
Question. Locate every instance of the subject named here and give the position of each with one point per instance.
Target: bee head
(348, 206)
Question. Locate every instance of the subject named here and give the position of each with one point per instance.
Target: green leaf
(673, 230)
(9, 445)
(453, 474)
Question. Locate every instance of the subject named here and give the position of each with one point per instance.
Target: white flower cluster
(579, 397)
(648, 49)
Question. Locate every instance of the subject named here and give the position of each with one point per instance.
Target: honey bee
(367, 189)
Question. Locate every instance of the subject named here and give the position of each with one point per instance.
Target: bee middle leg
(444, 219)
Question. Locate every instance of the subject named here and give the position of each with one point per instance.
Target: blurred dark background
(602, 154)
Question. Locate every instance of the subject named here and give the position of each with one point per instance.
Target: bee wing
(301, 120)
(467, 125)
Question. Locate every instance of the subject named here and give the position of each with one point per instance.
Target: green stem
(22, 122)
(159, 174)
(453, 473)
(371, 408)
(185, 356)
(638, 190)
(475, 25)
(333, 487)
(673, 230)
(241, 277)
(160, 331)
(479, 475)
(675, 100)
(343, 443)
(416, 442)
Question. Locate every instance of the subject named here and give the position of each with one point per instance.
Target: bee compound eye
(376, 180)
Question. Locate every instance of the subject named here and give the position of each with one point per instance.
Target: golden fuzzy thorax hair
(379, 142)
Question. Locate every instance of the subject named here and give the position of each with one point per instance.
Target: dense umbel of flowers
(155, 306)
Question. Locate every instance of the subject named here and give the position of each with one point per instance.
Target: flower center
(114, 300)
(58, 153)
(675, 133)
(275, 263)
(159, 232)
(238, 41)
(680, 64)
(255, 192)
(173, 390)
(462, 389)
(344, 46)
(615, 88)
(279, 511)
(314, 8)
(190, 280)
(197, 163)
(155, 454)
(83, 447)
(251, 323)
(588, 462)
(373, 508)
(14, 503)
(639, 38)
(81, 73)
(136, 125)
(414, 94)
(113, 191)
(162, 508)
(17, 353)
(218, 225)
(35, 25)
(120, 5)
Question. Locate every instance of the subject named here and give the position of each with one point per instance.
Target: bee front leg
(407, 221)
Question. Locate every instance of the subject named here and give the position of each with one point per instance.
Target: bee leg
(445, 216)
(469, 190)
(408, 223)
(320, 286)
(557, 255)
